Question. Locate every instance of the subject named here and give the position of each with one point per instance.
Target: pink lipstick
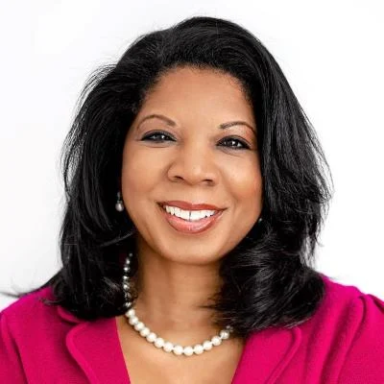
(189, 226)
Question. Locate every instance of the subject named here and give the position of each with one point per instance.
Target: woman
(195, 195)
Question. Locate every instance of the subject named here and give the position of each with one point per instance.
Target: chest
(143, 372)
(147, 364)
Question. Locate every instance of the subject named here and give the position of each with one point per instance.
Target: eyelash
(245, 145)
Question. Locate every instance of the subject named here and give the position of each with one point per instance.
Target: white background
(330, 51)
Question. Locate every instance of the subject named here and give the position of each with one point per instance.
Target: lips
(191, 227)
(191, 206)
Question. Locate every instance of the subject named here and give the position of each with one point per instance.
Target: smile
(190, 222)
(188, 215)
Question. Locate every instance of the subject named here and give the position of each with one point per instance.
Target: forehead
(190, 79)
(199, 92)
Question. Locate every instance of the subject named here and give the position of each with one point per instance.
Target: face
(187, 156)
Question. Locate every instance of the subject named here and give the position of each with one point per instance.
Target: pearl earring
(119, 204)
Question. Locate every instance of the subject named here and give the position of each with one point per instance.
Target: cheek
(246, 183)
(135, 171)
(133, 183)
(140, 176)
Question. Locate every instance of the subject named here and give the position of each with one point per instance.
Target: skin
(178, 272)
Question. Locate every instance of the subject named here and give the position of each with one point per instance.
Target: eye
(159, 136)
(235, 143)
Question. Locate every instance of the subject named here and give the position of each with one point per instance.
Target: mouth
(190, 222)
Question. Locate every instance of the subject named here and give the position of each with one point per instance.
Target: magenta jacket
(343, 342)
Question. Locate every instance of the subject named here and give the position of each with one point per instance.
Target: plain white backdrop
(330, 51)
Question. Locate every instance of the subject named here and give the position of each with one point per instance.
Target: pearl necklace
(159, 342)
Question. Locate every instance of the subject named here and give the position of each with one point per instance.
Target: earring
(119, 204)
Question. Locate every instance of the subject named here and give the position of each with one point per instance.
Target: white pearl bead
(145, 332)
(216, 340)
(131, 313)
(152, 337)
(168, 347)
(133, 320)
(139, 326)
(188, 351)
(198, 349)
(178, 350)
(224, 335)
(207, 345)
(159, 342)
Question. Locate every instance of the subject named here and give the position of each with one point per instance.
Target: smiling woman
(195, 193)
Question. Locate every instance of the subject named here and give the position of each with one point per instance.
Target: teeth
(188, 215)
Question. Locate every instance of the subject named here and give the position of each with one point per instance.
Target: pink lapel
(96, 348)
(266, 354)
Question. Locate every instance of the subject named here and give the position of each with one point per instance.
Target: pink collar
(95, 345)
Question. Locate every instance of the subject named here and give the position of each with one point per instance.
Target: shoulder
(33, 317)
(30, 319)
(30, 309)
(354, 321)
(345, 309)
(23, 325)
(349, 302)
(28, 301)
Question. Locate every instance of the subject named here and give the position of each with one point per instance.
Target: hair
(269, 278)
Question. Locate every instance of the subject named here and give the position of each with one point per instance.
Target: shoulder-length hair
(269, 277)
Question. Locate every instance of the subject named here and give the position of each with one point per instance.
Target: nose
(195, 165)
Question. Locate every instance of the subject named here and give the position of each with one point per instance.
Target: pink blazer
(343, 342)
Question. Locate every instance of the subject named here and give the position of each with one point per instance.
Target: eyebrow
(171, 123)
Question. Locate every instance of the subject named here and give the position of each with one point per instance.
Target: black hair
(269, 278)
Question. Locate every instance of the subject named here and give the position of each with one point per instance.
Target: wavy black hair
(269, 278)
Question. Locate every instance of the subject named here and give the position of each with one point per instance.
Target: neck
(170, 295)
